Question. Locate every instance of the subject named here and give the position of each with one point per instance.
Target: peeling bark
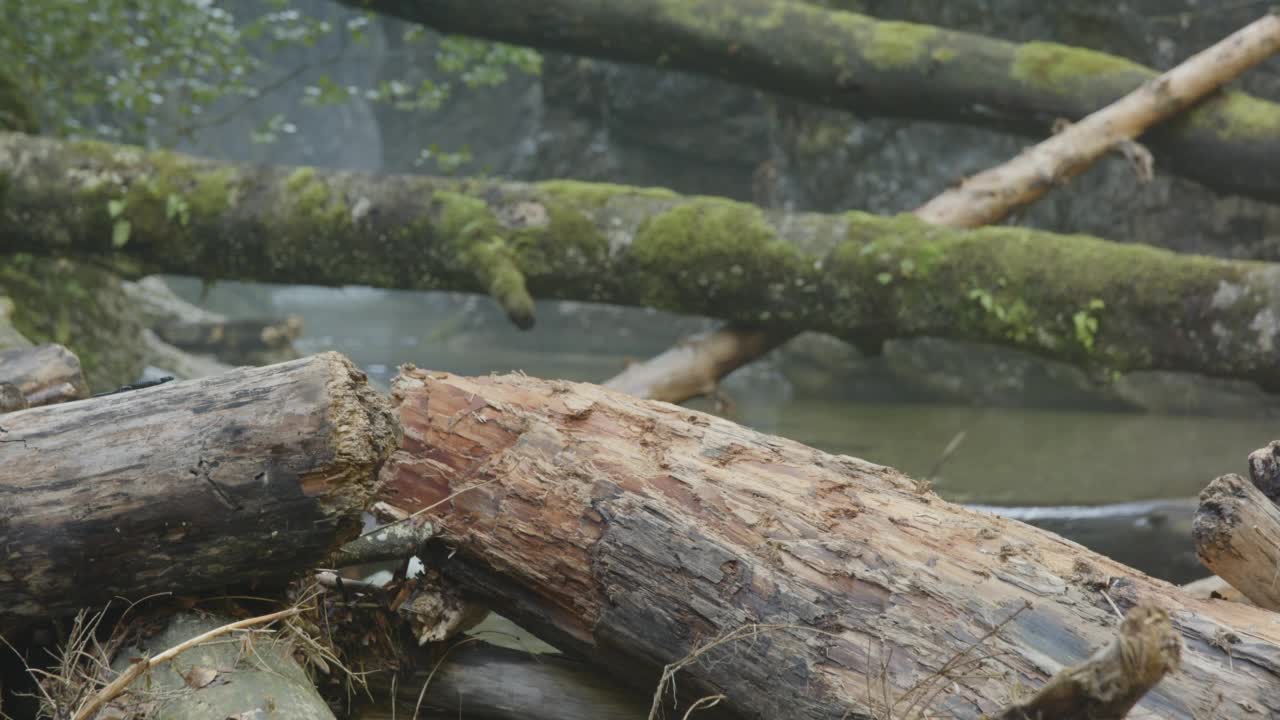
(640, 533)
(242, 478)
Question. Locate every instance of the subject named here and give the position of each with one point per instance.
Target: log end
(1217, 517)
(364, 431)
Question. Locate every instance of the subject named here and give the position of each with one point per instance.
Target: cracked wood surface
(237, 478)
(637, 532)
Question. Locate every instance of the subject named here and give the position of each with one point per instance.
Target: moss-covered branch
(1230, 143)
(862, 277)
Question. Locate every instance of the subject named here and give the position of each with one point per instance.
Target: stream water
(1121, 483)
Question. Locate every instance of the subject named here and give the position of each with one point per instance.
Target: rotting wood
(1237, 535)
(240, 478)
(43, 375)
(637, 533)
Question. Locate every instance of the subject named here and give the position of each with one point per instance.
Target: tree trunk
(807, 585)
(43, 375)
(241, 478)
(857, 276)
(849, 61)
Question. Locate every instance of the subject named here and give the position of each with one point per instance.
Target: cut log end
(363, 432)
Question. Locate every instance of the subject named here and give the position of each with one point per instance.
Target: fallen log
(240, 478)
(792, 582)
(232, 340)
(43, 375)
(860, 277)
(694, 366)
(1237, 529)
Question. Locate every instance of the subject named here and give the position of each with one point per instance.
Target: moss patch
(1239, 116)
(1063, 69)
(898, 44)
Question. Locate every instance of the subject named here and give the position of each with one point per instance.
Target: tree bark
(241, 478)
(807, 585)
(843, 60)
(857, 276)
(43, 375)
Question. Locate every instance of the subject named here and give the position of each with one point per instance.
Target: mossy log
(43, 375)
(1230, 143)
(861, 277)
(241, 478)
(804, 585)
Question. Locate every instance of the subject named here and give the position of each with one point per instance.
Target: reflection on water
(1008, 457)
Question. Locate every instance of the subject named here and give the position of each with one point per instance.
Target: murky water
(1050, 467)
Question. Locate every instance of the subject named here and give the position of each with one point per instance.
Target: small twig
(121, 683)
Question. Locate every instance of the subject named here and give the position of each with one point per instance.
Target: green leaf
(884, 278)
(120, 234)
(115, 207)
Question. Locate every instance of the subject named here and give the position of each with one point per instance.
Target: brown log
(43, 375)
(693, 367)
(795, 583)
(240, 478)
(1237, 535)
(230, 338)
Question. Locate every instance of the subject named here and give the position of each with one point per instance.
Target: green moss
(15, 112)
(729, 249)
(1064, 69)
(80, 306)
(1238, 116)
(590, 195)
(944, 54)
(317, 209)
(479, 248)
(897, 44)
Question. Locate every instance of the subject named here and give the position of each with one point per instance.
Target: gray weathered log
(639, 533)
(44, 375)
(239, 478)
(1237, 534)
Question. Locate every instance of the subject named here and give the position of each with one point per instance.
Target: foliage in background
(152, 71)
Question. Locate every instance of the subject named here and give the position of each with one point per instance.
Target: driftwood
(240, 478)
(1237, 529)
(695, 365)
(42, 375)
(790, 581)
